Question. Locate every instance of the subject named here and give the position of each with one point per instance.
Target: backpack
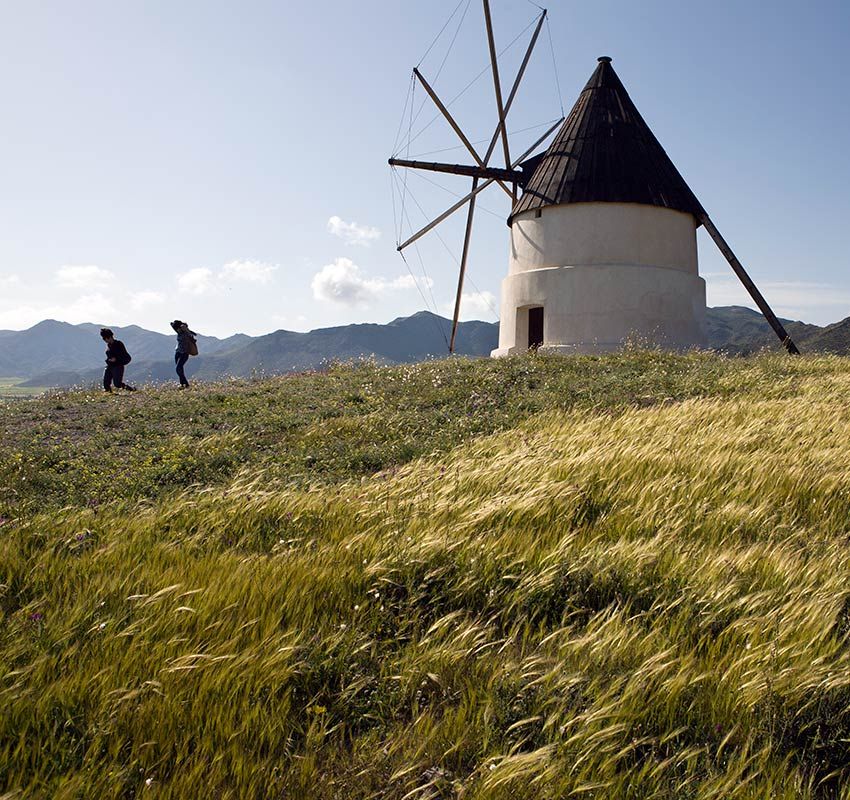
(123, 356)
(193, 346)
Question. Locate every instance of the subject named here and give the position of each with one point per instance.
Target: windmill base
(600, 309)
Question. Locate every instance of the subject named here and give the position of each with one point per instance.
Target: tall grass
(637, 599)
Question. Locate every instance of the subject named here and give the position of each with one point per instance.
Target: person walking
(117, 358)
(186, 346)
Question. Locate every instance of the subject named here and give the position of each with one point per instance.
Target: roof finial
(604, 59)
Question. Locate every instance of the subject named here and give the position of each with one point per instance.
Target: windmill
(603, 235)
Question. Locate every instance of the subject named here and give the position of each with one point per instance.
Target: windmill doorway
(535, 327)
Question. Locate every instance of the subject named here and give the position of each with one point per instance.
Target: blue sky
(225, 162)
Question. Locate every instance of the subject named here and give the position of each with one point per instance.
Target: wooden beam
(495, 173)
(739, 270)
(466, 240)
(462, 202)
(445, 112)
(525, 61)
(520, 73)
(495, 140)
(494, 64)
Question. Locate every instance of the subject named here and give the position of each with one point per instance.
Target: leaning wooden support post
(467, 238)
(749, 285)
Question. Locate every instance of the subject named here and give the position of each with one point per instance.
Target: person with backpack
(187, 345)
(117, 358)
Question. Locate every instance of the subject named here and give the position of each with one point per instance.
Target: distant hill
(833, 338)
(55, 353)
(52, 347)
(404, 340)
(738, 330)
(72, 354)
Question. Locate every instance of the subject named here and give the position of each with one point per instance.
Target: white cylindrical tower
(603, 239)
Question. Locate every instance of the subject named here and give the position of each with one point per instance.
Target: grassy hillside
(618, 577)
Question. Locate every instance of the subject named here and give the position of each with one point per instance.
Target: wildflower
(36, 616)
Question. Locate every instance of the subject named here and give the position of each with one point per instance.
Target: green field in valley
(11, 388)
(616, 577)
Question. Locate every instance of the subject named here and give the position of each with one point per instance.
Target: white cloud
(249, 271)
(201, 280)
(145, 299)
(344, 282)
(352, 233)
(475, 305)
(195, 281)
(8, 281)
(83, 277)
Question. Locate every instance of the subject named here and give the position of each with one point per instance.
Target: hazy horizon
(166, 330)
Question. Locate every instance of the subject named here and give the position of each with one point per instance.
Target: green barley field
(616, 577)
(10, 388)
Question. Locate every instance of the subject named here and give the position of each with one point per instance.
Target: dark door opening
(535, 327)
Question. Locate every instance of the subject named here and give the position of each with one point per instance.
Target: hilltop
(56, 354)
(531, 578)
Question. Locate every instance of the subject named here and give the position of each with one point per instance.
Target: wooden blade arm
(739, 270)
(495, 140)
(461, 135)
(525, 60)
(496, 174)
(460, 203)
(497, 83)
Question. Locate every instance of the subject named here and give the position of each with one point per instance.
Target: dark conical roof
(605, 152)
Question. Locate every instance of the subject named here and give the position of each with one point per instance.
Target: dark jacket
(184, 338)
(115, 349)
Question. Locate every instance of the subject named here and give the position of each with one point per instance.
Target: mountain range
(55, 353)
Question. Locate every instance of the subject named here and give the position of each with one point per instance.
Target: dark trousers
(113, 374)
(180, 360)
